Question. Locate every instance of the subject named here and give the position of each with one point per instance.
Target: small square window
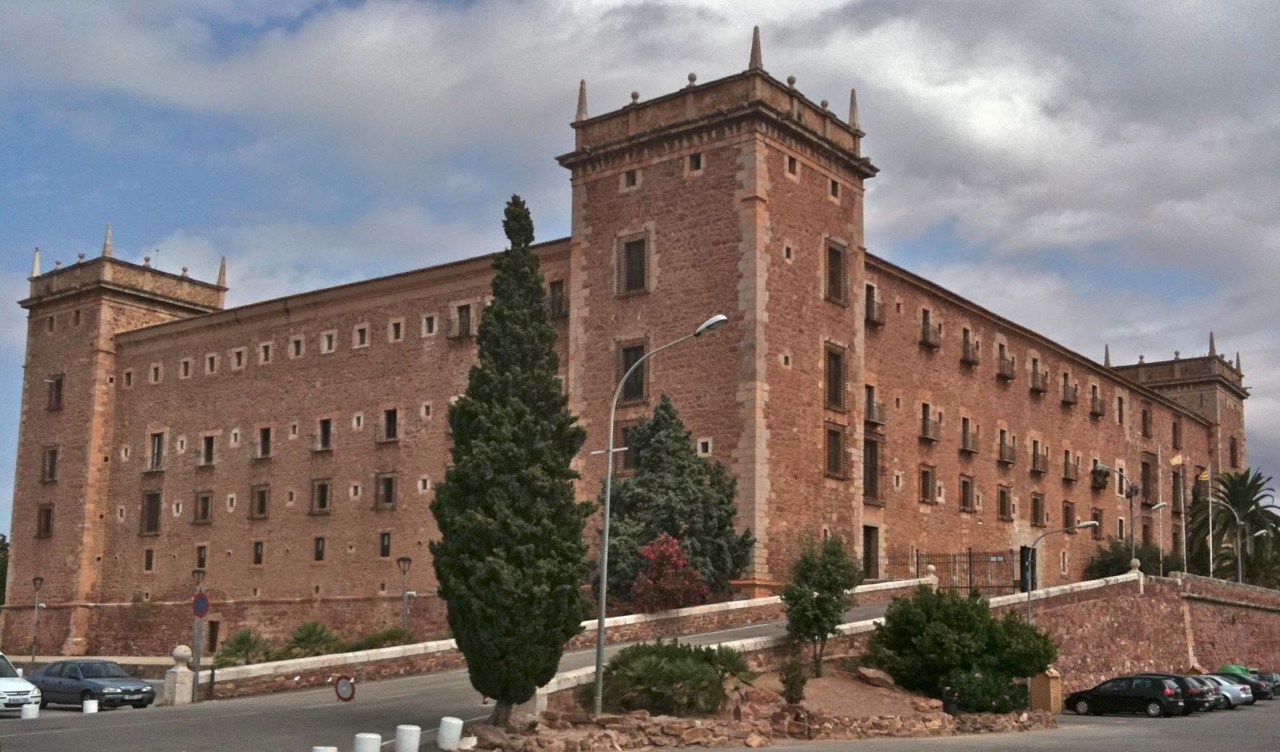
(238, 358)
(386, 491)
(128, 378)
(203, 508)
(297, 347)
(320, 496)
(210, 364)
(184, 368)
(630, 179)
(704, 447)
(328, 342)
(261, 503)
(264, 353)
(395, 330)
(695, 162)
(360, 336)
(157, 373)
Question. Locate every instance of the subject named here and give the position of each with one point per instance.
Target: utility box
(1046, 691)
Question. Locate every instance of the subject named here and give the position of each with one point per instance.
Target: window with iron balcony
(1070, 392)
(557, 301)
(1008, 449)
(1039, 381)
(1004, 365)
(970, 354)
(930, 333)
(874, 410)
(930, 429)
(1070, 467)
(1097, 408)
(1004, 503)
(875, 309)
(1039, 458)
(968, 437)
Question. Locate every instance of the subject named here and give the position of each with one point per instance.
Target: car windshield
(103, 671)
(7, 671)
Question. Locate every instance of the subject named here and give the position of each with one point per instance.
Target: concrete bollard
(408, 738)
(449, 733)
(368, 743)
(32, 711)
(89, 706)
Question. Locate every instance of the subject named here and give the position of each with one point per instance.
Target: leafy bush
(665, 579)
(932, 640)
(818, 593)
(669, 678)
(311, 638)
(793, 674)
(1113, 559)
(988, 693)
(385, 638)
(242, 648)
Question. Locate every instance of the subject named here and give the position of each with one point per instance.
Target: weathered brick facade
(257, 442)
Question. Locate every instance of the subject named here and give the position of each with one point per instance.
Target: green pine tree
(674, 491)
(511, 558)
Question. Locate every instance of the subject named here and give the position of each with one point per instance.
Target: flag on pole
(1176, 460)
(1203, 476)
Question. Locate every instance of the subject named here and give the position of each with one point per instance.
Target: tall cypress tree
(511, 558)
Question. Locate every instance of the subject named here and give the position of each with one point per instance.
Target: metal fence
(989, 572)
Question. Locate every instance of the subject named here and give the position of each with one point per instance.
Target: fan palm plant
(1241, 500)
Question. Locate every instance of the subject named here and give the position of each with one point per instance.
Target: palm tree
(1238, 500)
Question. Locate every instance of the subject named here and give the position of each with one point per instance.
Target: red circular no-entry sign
(345, 687)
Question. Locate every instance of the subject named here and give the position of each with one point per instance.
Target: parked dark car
(1212, 693)
(73, 682)
(1152, 695)
(1271, 678)
(1261, 690)
(1194, 695)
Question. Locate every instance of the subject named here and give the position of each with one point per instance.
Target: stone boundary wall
(427, 657)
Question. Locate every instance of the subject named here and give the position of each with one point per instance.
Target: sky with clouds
(1103, 172)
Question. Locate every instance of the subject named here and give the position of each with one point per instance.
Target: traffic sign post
(199, 607)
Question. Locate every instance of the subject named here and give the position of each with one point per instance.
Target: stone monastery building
(289, 447)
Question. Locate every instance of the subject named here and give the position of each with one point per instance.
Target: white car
(1233, 694)
(14, 690)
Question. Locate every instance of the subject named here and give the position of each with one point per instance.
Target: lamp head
(1086, 523)
(37, 582)
(1101, 466)
(710, 324)
(1160, 506)
(404, 562)
(197, 574)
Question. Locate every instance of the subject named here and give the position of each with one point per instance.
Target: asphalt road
(294, 720)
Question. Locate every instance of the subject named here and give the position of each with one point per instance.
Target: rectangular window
(386, 496)
(210, 364)
(151, 514)
(871, 469)
(633, 273)
(835, 188)
(259, 553)
(1177, 433)
(968, 436)
(264, 353)
(148, 560)
(395, 331)
(1120, 410)
(49, 465)
(1233, 451)
(317, 549)
(874, 314)
(206, 450)
(384, 545)
(967, 503)
(629, 179)
(793, 165)
(390, 424)
(157, 451)
(928, 489)
(264, 442)
(328, 342)
(836, 287)
(360, 336)
(1120, 528)
(1096, 516)
(297, 346)
(55, 392)
(835, 451)
(44, 521)
(203, 507)
(1004, 503)
(324, 434)
(321, 496)
(557, 302)
(1146, 422)
(237, 358)
(695, 161)
(128, 378)
(261, 502)
(634, 388)
(1037, 511)
(1069, 515)
(202, 556)
(835, 378)
(627, 455)
(428, 326)
(184, 368)
(462, 321)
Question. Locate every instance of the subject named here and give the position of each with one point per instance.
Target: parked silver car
(1233, 694)
(75, 681)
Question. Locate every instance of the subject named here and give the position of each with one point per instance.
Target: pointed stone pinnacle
(853, 108)
(106, 243)
(1106, 355)
(1213, 346)
(757, 61)
(582, 101)
(222, 273)
(35, 263)
(1238, 367)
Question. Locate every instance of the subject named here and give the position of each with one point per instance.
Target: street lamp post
(404, 562)
(197, 642)
(1160, 524)
(1239, 547)
(1077, 526)
(1130, 490)
(706, 326)
(37, 582)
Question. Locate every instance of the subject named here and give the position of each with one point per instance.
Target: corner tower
(64, 436)
(738, 196)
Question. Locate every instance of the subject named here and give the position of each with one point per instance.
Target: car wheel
(43, 703)
(1082, 707)
(1227, 703)
(139, 705)
(1154, 709)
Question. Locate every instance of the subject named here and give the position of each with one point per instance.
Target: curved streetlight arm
(706, 326)
(1034, 543)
